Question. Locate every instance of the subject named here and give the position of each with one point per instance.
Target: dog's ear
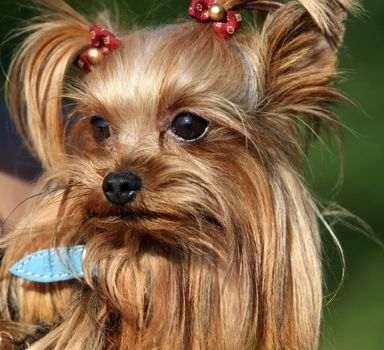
(295, 47)
(37, 77)
(327, 15)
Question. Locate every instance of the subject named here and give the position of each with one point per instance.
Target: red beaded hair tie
(225, 22)
(103, 42)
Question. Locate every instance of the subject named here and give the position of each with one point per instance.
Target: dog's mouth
(135, 214)
(127, 214)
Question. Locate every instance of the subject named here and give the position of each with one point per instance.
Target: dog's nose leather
(121, 188)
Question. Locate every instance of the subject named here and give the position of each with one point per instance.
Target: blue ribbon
(51, 265)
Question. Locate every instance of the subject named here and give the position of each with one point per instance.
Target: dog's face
(179, 169)
(164, 143)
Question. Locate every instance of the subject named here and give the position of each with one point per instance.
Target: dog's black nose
(121, 188)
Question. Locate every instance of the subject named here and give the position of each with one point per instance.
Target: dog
(172, 201)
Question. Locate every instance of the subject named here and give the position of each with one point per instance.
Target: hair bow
(225, 22)
(102, 42)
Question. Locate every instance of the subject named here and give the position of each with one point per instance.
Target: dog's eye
(189, 127)
(101, 129)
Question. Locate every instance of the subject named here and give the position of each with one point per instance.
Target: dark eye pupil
(101, 129)
(188, 126)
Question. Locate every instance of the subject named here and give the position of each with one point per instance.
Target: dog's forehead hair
(158, 71)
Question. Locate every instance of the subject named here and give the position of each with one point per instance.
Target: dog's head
(180, 157)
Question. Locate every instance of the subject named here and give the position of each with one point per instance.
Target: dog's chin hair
(220, 249)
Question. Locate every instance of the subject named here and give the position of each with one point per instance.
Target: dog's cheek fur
(232, 257)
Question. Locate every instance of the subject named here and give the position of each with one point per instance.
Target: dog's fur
(221, 249)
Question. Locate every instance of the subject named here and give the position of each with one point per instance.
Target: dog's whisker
(34, 196)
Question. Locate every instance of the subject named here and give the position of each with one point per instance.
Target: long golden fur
(222, 248)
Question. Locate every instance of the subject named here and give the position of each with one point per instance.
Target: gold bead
(217, 13)
(95, 56)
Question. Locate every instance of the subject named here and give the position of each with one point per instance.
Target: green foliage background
(354, 319)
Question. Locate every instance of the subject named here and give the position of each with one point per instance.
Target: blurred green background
(354, 319)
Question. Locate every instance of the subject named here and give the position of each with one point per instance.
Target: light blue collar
(51, 265)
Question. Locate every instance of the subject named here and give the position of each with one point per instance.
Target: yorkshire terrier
(172, 212)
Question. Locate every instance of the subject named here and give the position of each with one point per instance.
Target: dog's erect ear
(327, 15)
(295, 49)
(37, 75)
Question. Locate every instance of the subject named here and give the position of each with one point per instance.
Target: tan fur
(225, 252)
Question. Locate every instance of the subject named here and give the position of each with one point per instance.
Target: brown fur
(224, 250)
